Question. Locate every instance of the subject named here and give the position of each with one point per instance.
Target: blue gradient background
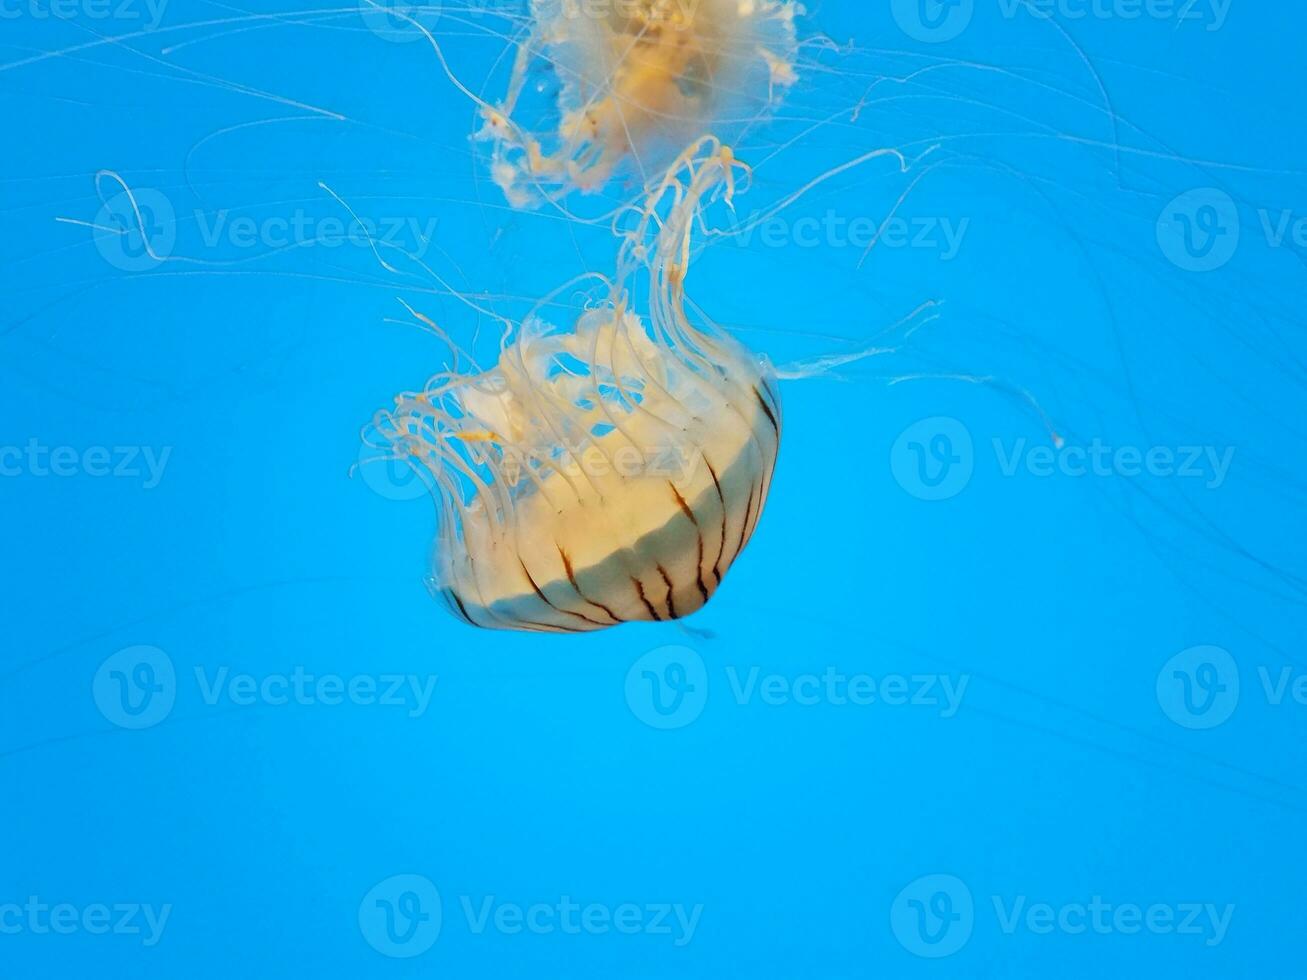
(534, 774)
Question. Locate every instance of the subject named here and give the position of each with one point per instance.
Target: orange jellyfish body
(639, 80)
(605, 473)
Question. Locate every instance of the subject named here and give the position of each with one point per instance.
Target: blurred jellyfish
(608, 472)
(637, 81)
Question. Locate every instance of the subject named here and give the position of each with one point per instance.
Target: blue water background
(549, 769)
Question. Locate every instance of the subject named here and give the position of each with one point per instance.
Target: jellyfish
(638, 80)
(605, 472)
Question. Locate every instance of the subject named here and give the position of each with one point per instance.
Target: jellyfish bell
(638, 79)
(607, 472)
